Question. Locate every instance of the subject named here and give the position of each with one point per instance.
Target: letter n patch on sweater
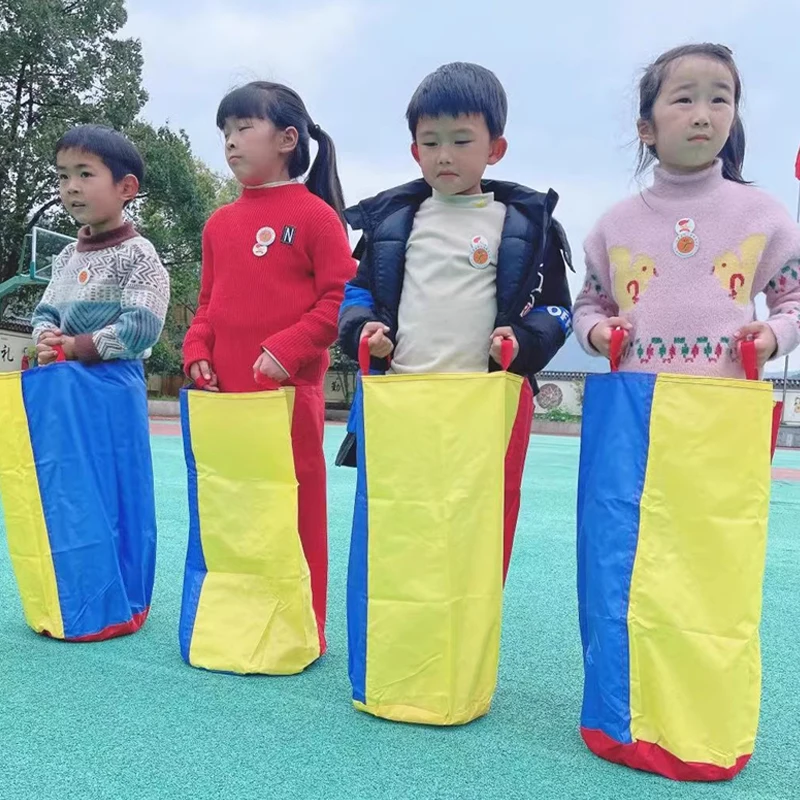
(287, 237)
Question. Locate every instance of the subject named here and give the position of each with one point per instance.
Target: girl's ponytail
(323, 179)
(732, 155)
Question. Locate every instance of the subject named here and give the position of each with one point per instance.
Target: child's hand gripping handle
(265, 382)
(615, 349)
(365, 357)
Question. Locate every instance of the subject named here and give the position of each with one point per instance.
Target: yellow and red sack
(434, 501)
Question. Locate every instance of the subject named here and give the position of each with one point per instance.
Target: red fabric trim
(112, 631)
(653, 758)
(514, 467)
(777, 413)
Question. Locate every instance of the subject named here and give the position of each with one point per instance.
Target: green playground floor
(126, 719)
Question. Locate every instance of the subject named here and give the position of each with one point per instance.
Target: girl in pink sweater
(679, 265)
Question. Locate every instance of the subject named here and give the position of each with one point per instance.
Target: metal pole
(786, 362)
(785, 374)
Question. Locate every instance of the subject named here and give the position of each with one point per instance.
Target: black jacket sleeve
(545, 321)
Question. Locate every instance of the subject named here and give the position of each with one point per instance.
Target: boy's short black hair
(460, 88)
(116, 151)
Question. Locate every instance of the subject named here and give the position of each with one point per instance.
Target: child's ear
(646, 131)
(415, 151)
(499, 149)
(128, 188)
(289, 139)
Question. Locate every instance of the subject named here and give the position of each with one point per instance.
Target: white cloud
(223, 43)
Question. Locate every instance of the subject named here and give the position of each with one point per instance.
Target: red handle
(363, 355)
(266, 382)
(747, 350)
(59, 353)
(506, 354)
(200, 382)
(615, 350)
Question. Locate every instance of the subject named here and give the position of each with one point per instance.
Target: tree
(60, 65)
(345, 369)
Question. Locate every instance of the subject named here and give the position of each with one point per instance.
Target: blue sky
(569, 67)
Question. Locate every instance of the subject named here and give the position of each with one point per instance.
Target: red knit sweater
(286, 300)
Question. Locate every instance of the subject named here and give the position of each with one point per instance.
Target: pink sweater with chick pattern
(683, 262)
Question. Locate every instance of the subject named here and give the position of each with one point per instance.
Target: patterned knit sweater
(110, 291)
(683, 262)
(275, 263)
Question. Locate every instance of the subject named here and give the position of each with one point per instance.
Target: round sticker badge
(265, 236)
(479, 243)
(83, 276)
(686, 243)
(260, 250)
(479, 257)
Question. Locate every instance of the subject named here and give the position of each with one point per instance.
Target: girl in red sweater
(275, 263)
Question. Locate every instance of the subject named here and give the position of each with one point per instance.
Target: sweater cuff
(787, 334)
(276, 360)
(85, 349)
(286, 350)
(194, 352)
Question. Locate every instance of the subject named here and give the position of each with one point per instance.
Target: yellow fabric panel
(26, 530)
(695, 602)
(435, 450)
(255, 613)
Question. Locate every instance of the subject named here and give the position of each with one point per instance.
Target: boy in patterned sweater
(108, 294)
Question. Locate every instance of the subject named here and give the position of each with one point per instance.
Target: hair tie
(314, 130)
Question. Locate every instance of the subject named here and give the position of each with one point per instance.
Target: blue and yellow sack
(76, 479)
(673, 503)
(247, 590)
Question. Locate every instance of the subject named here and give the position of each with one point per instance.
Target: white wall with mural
(564, 392)
(12, 348)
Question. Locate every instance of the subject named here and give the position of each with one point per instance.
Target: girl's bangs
(247, 102)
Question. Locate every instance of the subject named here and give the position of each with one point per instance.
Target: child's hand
(496, 343)
(600, 335)
(68, 346)
(763, 337)
(203, 369)
(380, 345)
(267, 365)
(45, 352)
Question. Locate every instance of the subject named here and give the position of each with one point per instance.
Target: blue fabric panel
(614, 449)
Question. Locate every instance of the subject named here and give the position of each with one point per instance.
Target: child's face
(692, 115)
(89, 192)
(257, 151)
(453, 152)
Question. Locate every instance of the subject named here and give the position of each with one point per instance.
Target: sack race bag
(425, 579)
(673, 502)
(76, 480)
(247, 590)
